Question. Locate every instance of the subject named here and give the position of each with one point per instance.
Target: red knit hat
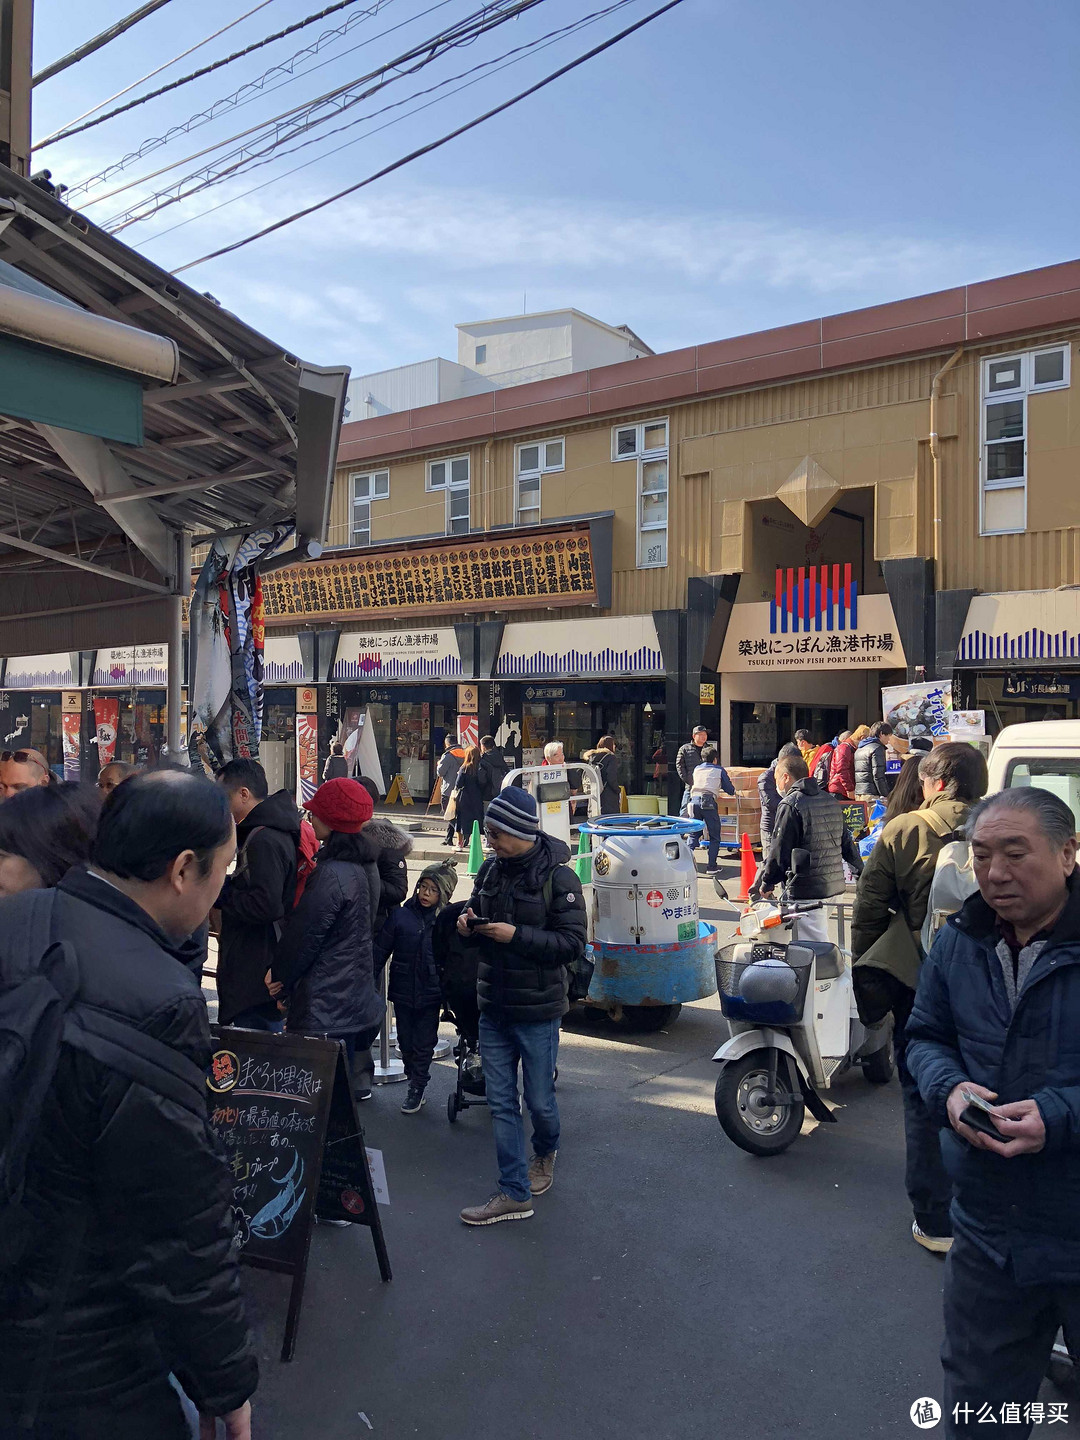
(342, 804)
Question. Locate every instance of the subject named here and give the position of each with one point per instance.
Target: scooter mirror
(720, 888)
(800, 861)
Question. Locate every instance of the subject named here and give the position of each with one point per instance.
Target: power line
(294, 121)
(89, 46)
(76, 129)
(151, 73)
(508, 58)
(434, 144)
(234, 101)
(516, 56)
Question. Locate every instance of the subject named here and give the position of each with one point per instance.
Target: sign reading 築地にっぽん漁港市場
(818, 636)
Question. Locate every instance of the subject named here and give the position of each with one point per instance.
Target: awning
(1021, 628)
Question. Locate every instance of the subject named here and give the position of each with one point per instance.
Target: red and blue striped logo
(814, 597)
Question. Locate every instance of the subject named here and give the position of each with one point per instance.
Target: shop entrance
(758, 729)
(579, 717)
(409, 724)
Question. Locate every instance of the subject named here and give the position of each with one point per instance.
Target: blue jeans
(502, 1045)
(706, 810)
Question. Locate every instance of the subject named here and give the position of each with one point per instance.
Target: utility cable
(235, 100)
(434, 144)
(250, 158)
(151, 73)
(89, 46)
(463, 32)
(508, 58)
(77, 129)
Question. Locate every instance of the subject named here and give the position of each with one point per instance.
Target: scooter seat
(828, 961)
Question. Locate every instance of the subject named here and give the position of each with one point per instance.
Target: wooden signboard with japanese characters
(440, 577)
(283, 1109)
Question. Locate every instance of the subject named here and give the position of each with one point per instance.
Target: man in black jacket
(128, 1273)
(492, 769)
(871, 757)
(687, 761)
(807, 818)
(526, 916)
(257, 897)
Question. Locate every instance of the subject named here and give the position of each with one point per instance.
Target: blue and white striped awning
(1024, 627)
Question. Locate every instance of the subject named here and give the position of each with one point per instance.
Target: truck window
(1060, 774)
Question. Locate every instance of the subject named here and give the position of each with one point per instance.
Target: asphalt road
(669, 1286)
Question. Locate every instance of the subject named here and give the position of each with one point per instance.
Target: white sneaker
(939, 1244)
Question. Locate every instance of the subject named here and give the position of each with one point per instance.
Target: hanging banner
(919, 709)
(361, 747)
(307, 758)
(468, 729)
(106, 722)
(227, 638)
(71, 721)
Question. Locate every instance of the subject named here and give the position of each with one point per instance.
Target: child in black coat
(414, 981)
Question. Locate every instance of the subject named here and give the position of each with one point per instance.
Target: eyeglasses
(24, 757)
(491, 834)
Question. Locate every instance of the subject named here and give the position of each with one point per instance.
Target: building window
(372, 485)
(481, 355)
(453, 477)
(647, 445)
(533, 462)
(1007, 382)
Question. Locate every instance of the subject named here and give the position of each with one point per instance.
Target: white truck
(1045, 753)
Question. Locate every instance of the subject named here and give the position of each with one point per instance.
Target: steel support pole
(175, 691)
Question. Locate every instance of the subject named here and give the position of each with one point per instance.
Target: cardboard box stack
(741, 813)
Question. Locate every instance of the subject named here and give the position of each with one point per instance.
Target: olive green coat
(894, 890)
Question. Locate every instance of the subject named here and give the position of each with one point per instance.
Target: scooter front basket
(759, 985)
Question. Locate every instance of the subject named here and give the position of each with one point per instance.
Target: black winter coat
(394, 845)
(810, 819)
(687, 761)
(470, 801)
(608, 765)
(769, 797)
(1024, 1211)
(407, 937)
(492, 774)
(325, 959)
(254, 902)
(156, 1285)
(525, 981)
(871, 777)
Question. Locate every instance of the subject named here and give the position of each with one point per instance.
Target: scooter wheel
(452, 1108)
(744, 1113)
(878, 1067)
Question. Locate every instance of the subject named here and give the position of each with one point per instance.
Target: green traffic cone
(583, 859)
(476, 850)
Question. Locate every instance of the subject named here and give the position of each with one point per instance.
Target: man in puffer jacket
(413, 985)
(871, 776)
(526, 917)
(129, 1271)
(997, 1014)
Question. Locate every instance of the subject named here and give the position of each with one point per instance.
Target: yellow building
(760, 532)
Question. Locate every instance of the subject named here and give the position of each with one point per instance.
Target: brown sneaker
(542, 1172)
(499, 1207)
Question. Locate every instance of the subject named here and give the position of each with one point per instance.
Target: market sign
(445, 576)
(411, 652)
(763, 635)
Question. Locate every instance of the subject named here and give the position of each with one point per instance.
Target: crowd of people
(119, 1279)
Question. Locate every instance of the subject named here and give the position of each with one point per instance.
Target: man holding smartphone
(526, 916)
(994, 1045)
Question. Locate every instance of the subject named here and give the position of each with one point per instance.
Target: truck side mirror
(800, 861)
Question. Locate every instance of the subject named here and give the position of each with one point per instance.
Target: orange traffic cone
(748, 868)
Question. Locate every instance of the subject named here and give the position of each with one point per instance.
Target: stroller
(456, 964)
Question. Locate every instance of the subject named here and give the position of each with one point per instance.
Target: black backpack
(39, 1012)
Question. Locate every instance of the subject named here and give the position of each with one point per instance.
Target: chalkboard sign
(283, 1109)
(855, 813)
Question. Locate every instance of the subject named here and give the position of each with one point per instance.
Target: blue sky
(732, 167)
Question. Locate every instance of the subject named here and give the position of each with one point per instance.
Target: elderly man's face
(1021, 874)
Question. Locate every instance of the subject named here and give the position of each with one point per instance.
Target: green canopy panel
(47, 386)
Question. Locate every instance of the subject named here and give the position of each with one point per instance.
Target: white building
(493, 354)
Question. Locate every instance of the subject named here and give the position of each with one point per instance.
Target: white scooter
(794, 1026)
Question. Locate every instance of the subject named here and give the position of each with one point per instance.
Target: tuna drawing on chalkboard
(278, 1213)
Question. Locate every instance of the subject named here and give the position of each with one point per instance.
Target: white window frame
(647, 533)
(452, 487)
(1020, 392)
(377, 485)
(536, 473)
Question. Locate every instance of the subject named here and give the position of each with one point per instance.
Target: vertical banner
(307, 744)
(469, 729)
(71, 731)
(226, 630)
(106, 722)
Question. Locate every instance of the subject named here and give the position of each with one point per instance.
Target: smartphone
(473, 920)
(976, 1113)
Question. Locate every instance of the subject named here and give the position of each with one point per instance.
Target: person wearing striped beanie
(526, 917)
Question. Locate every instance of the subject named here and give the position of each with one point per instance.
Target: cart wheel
(452, 1108)
(648, 1017)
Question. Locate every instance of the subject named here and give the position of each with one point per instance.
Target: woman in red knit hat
(324, 960)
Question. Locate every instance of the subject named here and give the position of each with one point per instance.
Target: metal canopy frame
(245, 437)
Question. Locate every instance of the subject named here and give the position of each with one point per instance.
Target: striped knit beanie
(514, 811)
